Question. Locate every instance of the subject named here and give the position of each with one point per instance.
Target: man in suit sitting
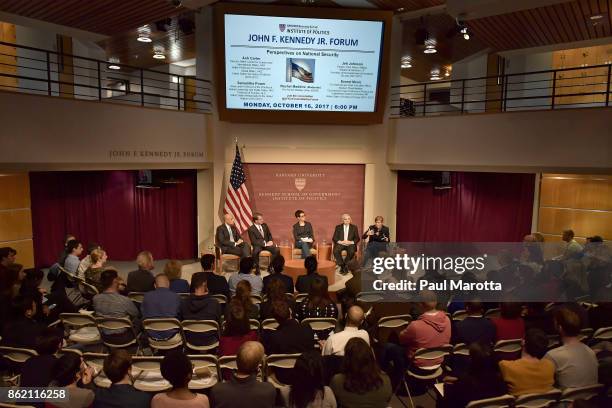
(346, 237)
(261, 239)
(229, 240)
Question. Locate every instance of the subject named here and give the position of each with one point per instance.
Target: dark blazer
(223, 237)
(353, 234)
(302, 232)
(304, 281)
(287, 281)
(140, 280)
(290, 337)
(384, 232)
(255, 236)
(217, 285)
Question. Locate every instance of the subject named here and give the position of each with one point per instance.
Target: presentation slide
(301, 64)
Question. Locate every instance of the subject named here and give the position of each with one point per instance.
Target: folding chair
(256, 299)
(279, 361)
(269, 324)
(461, 349)
(220, 298)
(254, 324)
(136, 297)
(539, 400)
(459, 315)
(66, 351)
(585, 335)
(82, 328)
(87, 289)
(603, 334)
(147, 374)
(96, 361)
(17, 356)
(163, 324)
(586, 393)
(508, 349)
(117, 323)
(321, 324)
(431, 372)
(299, 297)
(493, 313)
(204, 363)
(193, 328)
(505, 401)
(224, 258)
(369, 297)
(394, 322)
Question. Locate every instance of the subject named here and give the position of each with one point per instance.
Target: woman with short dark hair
(303, 234)
(309, 391)
(178, 370)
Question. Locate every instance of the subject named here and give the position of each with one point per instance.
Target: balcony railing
(43, 72)
(578, 87)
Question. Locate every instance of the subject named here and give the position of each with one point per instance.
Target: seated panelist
(303, 234)
(229, 240)
(261, 239)
(377, 237)
(346, 237)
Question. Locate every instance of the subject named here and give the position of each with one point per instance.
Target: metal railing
(563, 88)
(43, 72)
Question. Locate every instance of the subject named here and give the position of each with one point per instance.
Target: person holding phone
(377, 238)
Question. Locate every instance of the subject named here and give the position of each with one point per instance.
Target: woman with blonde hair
(142, 280)
(173, 270)
(93, 272)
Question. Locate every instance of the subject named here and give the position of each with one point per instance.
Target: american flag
(300, 73)
(237, 201)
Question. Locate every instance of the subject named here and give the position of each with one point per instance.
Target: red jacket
(431, 329)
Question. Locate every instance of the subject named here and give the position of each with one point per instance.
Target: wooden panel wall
(8, 59)
(494, 87)
(579, 202)
(16, 217)
(65, 67)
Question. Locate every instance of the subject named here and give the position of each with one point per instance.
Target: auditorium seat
(147, 374)
(229, 363)
(136, 297)
(585, 393)
(96, 361)
(256, 299)
(278, 361)
(603, 334)
(428, 373)
(229, 258)
(320, 324)
(504, 401)
(205, 371)
(221, 299)
(117, 323)
(508, 349)
(269, 324)
(200, 327)
(585, 335)
(461, 349)
(492, 313)
(369, 297)
(539, 400)
(163, 324)
(64, 351)
(16, 357)
(459, 315)
(82, 328)
(254, 323)
(395, 321)
(299, 297)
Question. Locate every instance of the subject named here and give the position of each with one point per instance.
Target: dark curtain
(480, 207)
(106, 207)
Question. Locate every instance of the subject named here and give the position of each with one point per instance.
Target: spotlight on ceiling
(144, 38)
(466, 34)
(435, 75)
(406, 62)
(430, 49)
(159, 56)
(112, 63)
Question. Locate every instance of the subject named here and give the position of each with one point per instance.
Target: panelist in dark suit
(261, 239)
(377, 237)
(303, 234)
(346, 237)
(229, 240)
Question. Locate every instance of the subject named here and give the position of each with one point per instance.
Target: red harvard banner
(323, 191)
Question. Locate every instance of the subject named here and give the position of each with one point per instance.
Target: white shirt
(334, 346)
(346, 230)
(229, 228)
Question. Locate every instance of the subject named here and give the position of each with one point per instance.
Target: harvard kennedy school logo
(300, 183)
(282, 27)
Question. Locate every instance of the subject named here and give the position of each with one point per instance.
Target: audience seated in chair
(510, 324)
(237, 329)
(74, 249)
(97, 259)
(217, 284)
(22, 330)
(309, 390)
(245, 272)
(531, 373)
(538, 318)
(177, 370)
(243, 295)
(121, 393)
(244, 389)
(575, 363)
(37, 371)
(86, 261)
(290, 336)
(474, 327)
(71, 372)
(31, 287)
(200, 305)
(336, 342)
(318, 303)
(481, 380)
(275, 293)
(142, 280)
(361, 383)
(304, 281)
(110, 303)
(276, 273)
(161, 302)
(173, 271)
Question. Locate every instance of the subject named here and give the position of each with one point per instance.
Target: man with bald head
(229, 240)
(346, 237)
(244, 389)
(161, 302)
(334, 346)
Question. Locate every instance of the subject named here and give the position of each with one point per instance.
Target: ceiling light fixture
(399, 10)
(406, 62)
(596, 17)
(430, 49)
(144, 39)
(435, 75)
(466, 34)
(159, 56)
(112, 63)
(447, 74)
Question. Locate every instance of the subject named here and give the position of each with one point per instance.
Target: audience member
(510, 324)
(276, 273)
(336, 342)
(361, 383)
(482, 379)
(217, 284)
(244, 388)
(474, 327)
(173, 271)
(575, 363)
(177, 370)
(86, 262)
(200, 305)
(74, 249)
(142, 280)
(245, 272)
(290, 336)
(318, 303)
(243, 295)
(92, 274)
(274, 293)
(110, 303)
(531, 373)
(538, 318)
(121, 393)
(10, 282)
(7, 257)
(353, 286)
(161, 302)
(23, 330)
(304, 281)
(69, 371)
(62, 256)
(573, 250)
(37, 371)
(237, 329)
(309, 391)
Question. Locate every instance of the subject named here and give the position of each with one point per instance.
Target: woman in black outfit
(303, 234)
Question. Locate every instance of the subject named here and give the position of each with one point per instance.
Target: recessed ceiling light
(406, 62)
(430, 49)
(447, 74)
(434, 78)
(596, 17)
(144, 39)
(114, 67)
(113, 63)
(159, 56)
(401, 9)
